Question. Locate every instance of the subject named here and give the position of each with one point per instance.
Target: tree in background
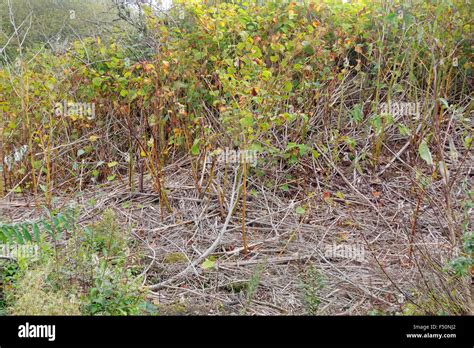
(52, 24)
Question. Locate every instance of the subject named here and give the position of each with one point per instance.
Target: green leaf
(97, 81)
(18, 235)
(288, 87)
(404, 131)
(195, 147)
(290, 145)
(132, 94)
(6, 231)
(36, 232)
(425, 153)
(3, 237)
(88, 232)
(308, 48)
(65, 222)
(300, 210)
(50, 84)
(207, 264)
(256, 147)
(26, 233)
(444, 102)
(70, 218)
(376, 122)
(356, 113)
(48, 229)
(37, 165)
(58, 226)
(56, 222)
(247, 121)
(467, 141)
(266, 74)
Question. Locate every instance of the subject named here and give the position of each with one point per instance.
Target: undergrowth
(92, 273)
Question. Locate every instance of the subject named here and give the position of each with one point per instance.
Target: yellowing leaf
(207, 264)
(288, 86)
(93, 138)
(266, 74)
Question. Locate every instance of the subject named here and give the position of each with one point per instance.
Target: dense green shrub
(91, 275)
(318, 70)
